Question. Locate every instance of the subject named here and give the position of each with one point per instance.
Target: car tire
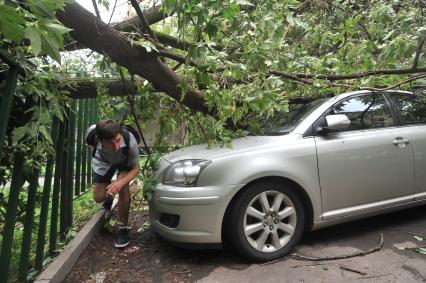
(266, 221)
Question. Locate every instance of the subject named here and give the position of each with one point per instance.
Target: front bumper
(200, 212)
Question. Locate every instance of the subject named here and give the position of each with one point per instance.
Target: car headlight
(185, 172)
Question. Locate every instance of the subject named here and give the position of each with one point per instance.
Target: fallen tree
(91, 32)
(96, 35)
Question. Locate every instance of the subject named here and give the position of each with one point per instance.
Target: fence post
(6, 103)
(10, 218)
(89, 153)
(56, 186)
(44, 210)
(28, 225)
(84, 150)
(95, 120)
(64, 176)
(71, 151)
(80, 143)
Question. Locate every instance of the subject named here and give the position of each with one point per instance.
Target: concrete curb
(59, 268)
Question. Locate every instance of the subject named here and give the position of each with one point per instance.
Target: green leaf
(254, 106)
(418, 238)
(34, 36)
(237, 115)
(244, 3)
(47, 260)
(11, 22)
(400, 248)
(13, 32)
(229, 13)
(51, 47)
(46, 134)
(44, 117)
(44, 8)
(32, 130)
(149, 46)
(421, 250)
(18, 134)
(57, 27)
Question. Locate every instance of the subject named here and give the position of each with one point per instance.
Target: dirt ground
(148, 259)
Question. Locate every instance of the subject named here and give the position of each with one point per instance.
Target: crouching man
(115, 149)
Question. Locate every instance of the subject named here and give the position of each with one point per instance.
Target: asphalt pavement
(149, 259)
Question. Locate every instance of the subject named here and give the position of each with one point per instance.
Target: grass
(83, 208)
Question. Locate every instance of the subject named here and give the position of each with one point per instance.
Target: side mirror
(332, 123)
(337, 122)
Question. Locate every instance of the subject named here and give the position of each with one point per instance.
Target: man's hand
(114, 188)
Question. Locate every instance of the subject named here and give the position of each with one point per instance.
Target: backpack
(92, 139)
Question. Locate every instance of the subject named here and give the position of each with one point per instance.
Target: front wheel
(266, 221)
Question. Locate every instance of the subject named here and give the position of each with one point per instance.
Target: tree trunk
(96, 35)
(87, 88)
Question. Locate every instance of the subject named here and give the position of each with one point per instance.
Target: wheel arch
(301, 193)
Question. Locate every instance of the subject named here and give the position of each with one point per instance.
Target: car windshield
(284, 123)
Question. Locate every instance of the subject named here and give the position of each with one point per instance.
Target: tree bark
(87, 88)
(153, 15)
(96, 35)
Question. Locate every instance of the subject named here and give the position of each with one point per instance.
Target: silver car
(331, 161)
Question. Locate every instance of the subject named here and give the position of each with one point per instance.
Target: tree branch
(414, 78)
(173, 41)
(144, 23)
(103, 39)
(360, 253)
(291, 76)
(86, 88)
(112, 13)
(132, 109)
(418, 52)
(95, 6)
(153, 15)
(349, 76)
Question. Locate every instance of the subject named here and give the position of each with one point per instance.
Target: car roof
(351, 93)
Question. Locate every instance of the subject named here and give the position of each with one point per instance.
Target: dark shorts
(106, 179)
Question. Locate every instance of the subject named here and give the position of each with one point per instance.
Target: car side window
(412, 109)
(368, 111)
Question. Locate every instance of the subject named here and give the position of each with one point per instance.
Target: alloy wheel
(269, 221)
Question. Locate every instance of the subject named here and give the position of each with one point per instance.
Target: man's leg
(122, 236)
(99, 192)
(124, 200)
(100, 195)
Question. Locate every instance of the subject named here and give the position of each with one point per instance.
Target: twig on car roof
(360, 253)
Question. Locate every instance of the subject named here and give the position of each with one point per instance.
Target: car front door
(412, 114)
(367, 166)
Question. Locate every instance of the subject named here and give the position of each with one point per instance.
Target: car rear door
(367, 166)
(411, 111)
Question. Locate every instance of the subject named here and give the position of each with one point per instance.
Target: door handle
(400, 141)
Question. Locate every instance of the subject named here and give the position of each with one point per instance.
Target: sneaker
(122, 238)
(107, 205)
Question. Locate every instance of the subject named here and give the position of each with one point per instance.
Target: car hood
(201, 151)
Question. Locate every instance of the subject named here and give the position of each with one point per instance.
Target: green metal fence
(67, 176)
